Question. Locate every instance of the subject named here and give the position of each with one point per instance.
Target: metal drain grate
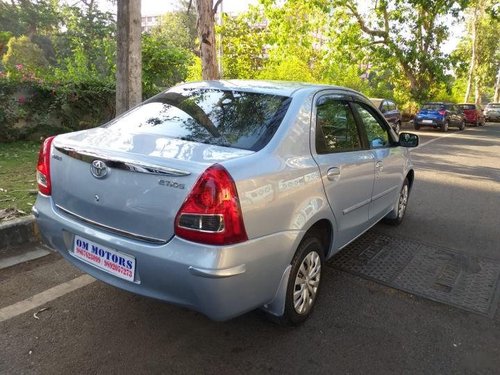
(442, 275)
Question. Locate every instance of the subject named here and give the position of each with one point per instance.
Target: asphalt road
(358, 326)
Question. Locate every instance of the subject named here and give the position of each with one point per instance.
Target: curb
(18, 232)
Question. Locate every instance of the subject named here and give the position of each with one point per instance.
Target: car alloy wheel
(444, 128)
(307, 283)
(304, 282)
(400, 207)
(403, 201)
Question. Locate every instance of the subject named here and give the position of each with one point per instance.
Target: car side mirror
(408, 140)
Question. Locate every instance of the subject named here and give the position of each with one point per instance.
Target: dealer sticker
(104, 258)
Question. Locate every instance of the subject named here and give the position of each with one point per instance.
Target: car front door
(346, 166)
(389, 161)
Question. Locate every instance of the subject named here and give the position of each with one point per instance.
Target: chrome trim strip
(218, 273)
(121, 163)
(385, 192)
(356, 206)
(135, 236)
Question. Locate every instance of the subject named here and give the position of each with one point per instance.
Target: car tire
(461, 126)
(304, 282)
(417, 127)
(402, 204)
(397, 127)
(444, 127)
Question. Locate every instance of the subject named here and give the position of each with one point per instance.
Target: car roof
(285, 88)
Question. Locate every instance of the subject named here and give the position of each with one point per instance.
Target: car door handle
(333, 173)
(379, 166)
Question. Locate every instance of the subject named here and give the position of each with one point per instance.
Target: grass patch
(17, 176)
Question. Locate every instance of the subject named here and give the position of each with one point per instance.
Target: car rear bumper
(492, 116)
(433, 122)
(220, 282)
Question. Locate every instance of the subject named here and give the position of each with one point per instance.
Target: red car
(473, 114)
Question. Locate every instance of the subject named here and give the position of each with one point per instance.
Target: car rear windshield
(493, 105)
(433, 106)
(467, 106)
(218, 117)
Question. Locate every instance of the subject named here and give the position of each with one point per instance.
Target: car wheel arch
(410, 176)
(322, 230)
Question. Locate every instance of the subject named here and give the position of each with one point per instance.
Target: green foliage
(487, 52)
(30, 109)
(4, 39)
(294, 28)
(17, 178)
(288, 69)
(29, 17)
(168, 52)
(194, 70)
(24, 57)
(243, 41)
(179, 29)
(406, 37)
(88, 47)
(163, 65)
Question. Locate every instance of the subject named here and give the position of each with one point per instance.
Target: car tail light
(211, 213)
(442, 112)
(43, 167)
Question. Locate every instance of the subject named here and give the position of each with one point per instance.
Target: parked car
(440, 115)
(224, 197)
(473, 114)
(492, 112)
(390, 111)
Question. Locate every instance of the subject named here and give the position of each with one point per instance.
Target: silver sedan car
(224, 196)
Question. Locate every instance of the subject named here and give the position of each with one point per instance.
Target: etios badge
(98, 169)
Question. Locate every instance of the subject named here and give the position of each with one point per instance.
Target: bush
(23, 57)
(31, 109)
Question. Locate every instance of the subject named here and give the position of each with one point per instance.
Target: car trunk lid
(130, 184)
(431, 114)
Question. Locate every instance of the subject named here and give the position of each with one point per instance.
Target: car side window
(377, 134)
(335, 127)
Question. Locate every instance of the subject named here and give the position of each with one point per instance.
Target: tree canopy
(386, 48)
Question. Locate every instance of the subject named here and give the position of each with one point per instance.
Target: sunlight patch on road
(465, 180)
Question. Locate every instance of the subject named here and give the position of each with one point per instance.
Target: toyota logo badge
(98, 169)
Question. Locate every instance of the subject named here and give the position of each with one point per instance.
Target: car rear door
(388, 157)
(346, 166)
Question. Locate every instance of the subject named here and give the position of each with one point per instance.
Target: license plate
(427, 121)
(102, 257)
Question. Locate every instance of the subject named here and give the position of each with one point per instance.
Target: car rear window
(496, 105)
(218, 117)
(467, 106)
(433, 106)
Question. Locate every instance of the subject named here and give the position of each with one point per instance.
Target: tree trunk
(496, 98)
(206, 35)
(477, 91)
(129, 57)
(472, 67)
